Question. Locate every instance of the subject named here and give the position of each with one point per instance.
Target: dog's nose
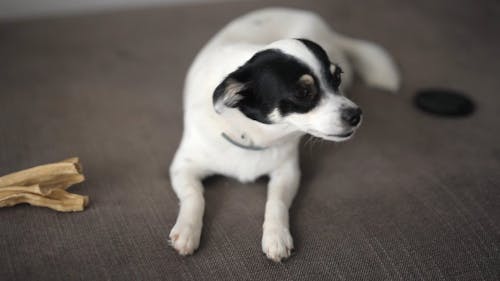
(351, 115)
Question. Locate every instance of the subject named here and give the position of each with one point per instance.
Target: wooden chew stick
(66, 171)
(31, 189)
(59, 200)
(45, 186)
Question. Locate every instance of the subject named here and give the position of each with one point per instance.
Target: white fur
(204, 152)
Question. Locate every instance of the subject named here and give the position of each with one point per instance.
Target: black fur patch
(271, 80)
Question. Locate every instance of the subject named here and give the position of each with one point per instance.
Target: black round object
(444, 102)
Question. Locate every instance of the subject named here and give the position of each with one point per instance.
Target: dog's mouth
(333, 137)
(343, 135)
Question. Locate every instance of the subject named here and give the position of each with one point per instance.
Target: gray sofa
(411, 197)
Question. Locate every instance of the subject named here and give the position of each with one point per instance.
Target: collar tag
(250, 146)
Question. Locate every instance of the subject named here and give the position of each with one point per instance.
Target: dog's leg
(186, 182)
(277, 243)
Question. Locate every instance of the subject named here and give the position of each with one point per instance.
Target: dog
(261, 83)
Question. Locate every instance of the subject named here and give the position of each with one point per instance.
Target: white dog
(259, 85)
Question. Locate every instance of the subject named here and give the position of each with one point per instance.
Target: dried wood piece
(30, 189)
(59, 200)
(45, 186)
(64, 173)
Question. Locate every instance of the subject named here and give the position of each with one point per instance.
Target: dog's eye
(303, 92)
(305, 87)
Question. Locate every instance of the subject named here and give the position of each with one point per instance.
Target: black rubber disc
(444, 102)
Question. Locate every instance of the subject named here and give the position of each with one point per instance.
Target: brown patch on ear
(230, 96)
(232, 93)
(332, 68)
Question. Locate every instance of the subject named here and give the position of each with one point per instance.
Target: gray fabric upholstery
(411, 197)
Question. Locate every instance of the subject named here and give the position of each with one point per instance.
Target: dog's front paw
(185, 237)
(277, 243)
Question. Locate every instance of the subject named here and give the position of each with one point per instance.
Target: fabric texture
(411, 197)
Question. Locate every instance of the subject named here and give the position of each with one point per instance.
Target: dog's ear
(228, 94)
(232, 90)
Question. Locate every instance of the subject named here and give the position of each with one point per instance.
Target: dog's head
(292, 82)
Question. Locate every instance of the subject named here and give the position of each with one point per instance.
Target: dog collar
(249, 146)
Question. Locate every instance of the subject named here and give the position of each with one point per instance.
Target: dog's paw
(277, 243)
(185, 237)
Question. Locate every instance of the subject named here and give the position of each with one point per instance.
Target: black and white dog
(261, 83)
